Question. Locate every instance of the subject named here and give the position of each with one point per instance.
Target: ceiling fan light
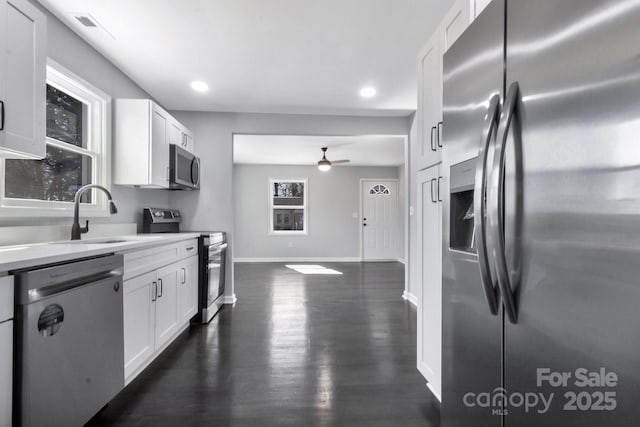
(324, 165)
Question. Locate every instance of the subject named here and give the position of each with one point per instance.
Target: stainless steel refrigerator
(541, 228)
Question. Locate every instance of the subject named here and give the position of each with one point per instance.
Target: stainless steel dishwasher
(69, 341)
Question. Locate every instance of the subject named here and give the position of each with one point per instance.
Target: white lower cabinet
(139, 322)
(6, 371)
(430, 196)
(166, 304)
(188, 288)
(157, 306)
(6, 349)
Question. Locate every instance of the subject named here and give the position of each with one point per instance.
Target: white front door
(379, 219)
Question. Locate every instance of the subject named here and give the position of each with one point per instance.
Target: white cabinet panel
(429, 103)
(159, 147)
(430, 193)
(188, 141)
(143, 132)
(455, 22)
(167, 317)
(6, 298)
(6, 372)
(23, 57)
(479, 6)
(6, 349)
(139, 319)
(188, 288)
(175, 133)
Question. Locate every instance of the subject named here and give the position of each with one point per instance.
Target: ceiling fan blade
(337, 162)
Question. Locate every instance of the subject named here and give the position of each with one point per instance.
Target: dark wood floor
(295, 350)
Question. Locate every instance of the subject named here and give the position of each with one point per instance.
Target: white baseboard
(410, 297)
(229, 299)
(299, 259)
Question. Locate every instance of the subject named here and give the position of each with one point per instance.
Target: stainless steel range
(212, 258)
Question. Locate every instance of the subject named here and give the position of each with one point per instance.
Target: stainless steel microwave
(184, 170)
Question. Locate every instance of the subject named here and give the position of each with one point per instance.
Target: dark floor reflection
(296, 350)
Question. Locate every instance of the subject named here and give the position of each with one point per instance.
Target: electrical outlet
(290, 244)
(411, 210)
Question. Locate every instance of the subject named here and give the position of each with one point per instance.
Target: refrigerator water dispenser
(462, 224)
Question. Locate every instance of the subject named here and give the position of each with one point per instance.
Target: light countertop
(31, 255)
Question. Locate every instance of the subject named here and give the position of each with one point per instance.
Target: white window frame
(305, 208)
(98, 148)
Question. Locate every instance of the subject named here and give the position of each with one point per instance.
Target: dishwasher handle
(35, 295)
(34, 284)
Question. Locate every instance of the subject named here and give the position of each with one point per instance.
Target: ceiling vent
(86, 21)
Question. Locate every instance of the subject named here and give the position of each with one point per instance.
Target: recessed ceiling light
(199, 86)
(368, 92)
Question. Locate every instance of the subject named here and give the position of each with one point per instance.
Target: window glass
(379, 189)
(288, 206)
(76, 153)
(55, 178)
(65, 118)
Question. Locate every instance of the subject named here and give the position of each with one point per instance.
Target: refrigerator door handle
(479, 203)
(496, 207)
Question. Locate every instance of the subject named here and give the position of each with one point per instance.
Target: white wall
(69, 50)
(413, 265)
(212, 207)
(333, 198)
(402, 212)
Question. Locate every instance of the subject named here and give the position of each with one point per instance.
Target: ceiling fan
(324, 164)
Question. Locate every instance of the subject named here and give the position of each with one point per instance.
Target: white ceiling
(282, 56)
(306, 150)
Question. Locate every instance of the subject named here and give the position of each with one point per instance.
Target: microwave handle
(195, 171)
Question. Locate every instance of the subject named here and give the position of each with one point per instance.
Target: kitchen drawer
(6, 298)
(188, 248)
(143, 261)
(146, 260)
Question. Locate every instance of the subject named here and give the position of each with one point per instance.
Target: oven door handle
(217, 248)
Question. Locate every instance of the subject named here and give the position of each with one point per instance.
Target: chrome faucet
(76, 230)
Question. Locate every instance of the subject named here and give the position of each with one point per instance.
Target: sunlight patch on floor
(313, 269)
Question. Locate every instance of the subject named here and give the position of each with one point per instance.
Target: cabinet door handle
(439, 134)
(439, 179)
(184, 276)
(433, 130)
(190, 248)
(154, 291)
(160, 282)
(433, 199)
(1, 115)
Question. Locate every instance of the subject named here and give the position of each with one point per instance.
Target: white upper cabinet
(429, 103)
(187, 140)
(159, 145)
(455, 22)
(479, 6)
(143, 133)
(23, 62)
(429, 114)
